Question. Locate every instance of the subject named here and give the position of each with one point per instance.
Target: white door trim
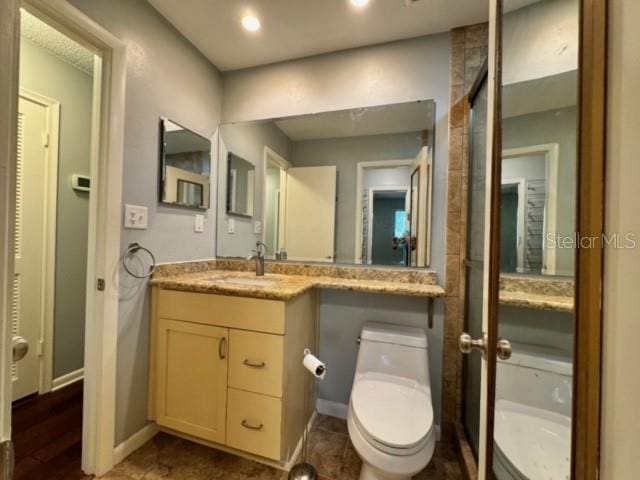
(104, 223)
(45, 373)
(281, 162)
(360, 168)
(370, 195)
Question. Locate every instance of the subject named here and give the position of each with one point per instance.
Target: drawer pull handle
(246, 424)
(251, 364)
(222, 348)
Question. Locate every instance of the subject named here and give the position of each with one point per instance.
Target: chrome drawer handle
(251, 364)
(246, 424)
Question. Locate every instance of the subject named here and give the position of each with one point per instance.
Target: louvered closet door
(29, 242)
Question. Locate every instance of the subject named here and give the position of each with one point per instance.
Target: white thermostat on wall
(81, 183)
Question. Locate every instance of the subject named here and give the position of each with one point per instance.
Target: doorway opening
(387, 227)
(53, 189)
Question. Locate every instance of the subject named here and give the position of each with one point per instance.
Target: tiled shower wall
(468, 53)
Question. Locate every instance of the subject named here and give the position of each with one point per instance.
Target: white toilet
(390, 415)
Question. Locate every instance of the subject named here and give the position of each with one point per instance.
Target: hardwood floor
(47, 436)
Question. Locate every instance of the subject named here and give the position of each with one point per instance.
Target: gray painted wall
(47, 75)
(246, 141)
(166, 76)
(403, 71)
(345, 154)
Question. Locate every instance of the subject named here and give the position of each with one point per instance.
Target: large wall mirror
(538, 203)
(351, 186)
(185, 166)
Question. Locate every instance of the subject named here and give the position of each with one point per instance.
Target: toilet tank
(393, 350)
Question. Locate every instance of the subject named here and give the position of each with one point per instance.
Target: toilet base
(369, 473)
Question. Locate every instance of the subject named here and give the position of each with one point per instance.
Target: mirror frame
(206, 190)
(591, 148)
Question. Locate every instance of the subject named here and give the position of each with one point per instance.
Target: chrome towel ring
(131, 250)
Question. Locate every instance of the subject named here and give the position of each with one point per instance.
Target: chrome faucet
(258, 256)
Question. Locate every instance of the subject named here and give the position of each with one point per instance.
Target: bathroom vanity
(246, 390)
(227, 347)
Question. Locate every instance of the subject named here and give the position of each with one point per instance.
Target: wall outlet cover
(231, 225)
(257, 226)
(199, 224)
(136, 217)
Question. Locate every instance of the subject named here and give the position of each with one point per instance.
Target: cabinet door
(192, 378)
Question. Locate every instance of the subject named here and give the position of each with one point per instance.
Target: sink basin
(246, 282)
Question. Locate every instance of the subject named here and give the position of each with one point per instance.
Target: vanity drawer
(254, 423)
(223, 310)
(256, 362)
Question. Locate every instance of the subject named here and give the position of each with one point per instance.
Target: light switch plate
(199, 225)
(231, 225)
(135, 217)
(257, 226)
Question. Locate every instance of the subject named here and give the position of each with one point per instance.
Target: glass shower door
(472, 366)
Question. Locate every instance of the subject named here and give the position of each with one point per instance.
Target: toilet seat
(393, 414)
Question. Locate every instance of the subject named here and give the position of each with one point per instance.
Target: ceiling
(301, 28)
(57, 44)
(386, 119)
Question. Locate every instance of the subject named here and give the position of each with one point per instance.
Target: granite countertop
(537, 292)
(279, 286)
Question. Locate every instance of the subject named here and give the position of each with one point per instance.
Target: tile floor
(330, 451)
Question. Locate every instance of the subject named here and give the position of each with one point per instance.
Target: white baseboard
(67, 379)
(134, 442)
(333, 409)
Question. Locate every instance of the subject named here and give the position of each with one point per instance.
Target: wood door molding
(589, 265)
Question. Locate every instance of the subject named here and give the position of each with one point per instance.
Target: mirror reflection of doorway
(388, 227)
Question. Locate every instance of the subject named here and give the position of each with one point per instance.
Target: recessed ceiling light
(359, 3)
(251, 23)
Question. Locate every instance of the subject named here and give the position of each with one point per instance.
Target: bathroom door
(311, 194)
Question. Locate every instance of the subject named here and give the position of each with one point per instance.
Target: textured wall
(166, 76)
(43, 73)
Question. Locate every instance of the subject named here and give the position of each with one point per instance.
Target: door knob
(468, 344)
(20, 348)
(504, 349)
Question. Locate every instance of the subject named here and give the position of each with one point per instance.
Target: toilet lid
(536, 442)
(393, 411)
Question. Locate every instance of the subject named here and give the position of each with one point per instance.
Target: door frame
(591, 143)
(551, 152)
(103, 257)
(271, 155)
(46, 323)
(360, 168)
(370, 194)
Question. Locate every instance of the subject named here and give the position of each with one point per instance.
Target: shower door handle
(467, 344)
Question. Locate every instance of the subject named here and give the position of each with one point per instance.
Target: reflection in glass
(330, 187)
(185, 166)
(533, 409)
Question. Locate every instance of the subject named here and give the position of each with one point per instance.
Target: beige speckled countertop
(537, 292)
(285, 286)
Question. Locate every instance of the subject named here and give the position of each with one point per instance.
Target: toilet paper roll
(314, 365)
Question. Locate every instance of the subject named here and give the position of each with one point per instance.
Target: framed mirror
(185, 167)
(349, 186)
(240, 186)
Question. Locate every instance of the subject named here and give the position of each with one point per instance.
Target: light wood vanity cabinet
(228, 370)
